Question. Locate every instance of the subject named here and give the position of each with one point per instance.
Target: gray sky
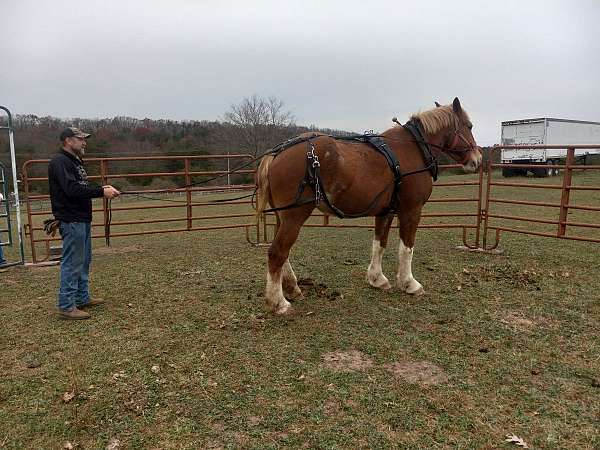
(347, 64)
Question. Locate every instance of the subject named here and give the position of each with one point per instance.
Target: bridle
(456, 140)
(452, 148)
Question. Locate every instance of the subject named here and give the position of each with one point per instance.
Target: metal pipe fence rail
(474, 204)
(194, 197)
(495, 221)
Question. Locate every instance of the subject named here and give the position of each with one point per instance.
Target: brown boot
(92, 302)
(74, 314)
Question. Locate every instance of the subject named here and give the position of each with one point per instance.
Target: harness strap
(416, 130)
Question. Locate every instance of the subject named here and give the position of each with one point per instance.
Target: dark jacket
(70, 192)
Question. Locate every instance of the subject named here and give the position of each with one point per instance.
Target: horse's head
(451, 127)
(459, 142)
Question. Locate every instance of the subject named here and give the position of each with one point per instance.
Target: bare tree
(259, 122)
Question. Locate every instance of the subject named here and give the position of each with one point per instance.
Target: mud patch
(417, 372)
(118, 250)
(308, 286)
(348, 361)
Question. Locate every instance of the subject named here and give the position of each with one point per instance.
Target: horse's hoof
(284, 310)
(420, 291)
(380, 283)
(384, 286)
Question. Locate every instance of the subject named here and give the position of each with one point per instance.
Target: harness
(414, 127)
(313, 179)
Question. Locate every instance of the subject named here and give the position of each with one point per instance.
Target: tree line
(250, 127)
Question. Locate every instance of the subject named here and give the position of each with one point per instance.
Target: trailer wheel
(557, 171)
(539, 172)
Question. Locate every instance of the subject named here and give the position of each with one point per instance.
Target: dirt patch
(515, 276)
(118, 250)
(308, 286)
(417, 372)
(516, 321)
(348, 361)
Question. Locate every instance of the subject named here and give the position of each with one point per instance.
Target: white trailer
(545, 131)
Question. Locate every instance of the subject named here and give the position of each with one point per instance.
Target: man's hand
(110, 192)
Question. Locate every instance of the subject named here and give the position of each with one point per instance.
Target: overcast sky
(348, 64)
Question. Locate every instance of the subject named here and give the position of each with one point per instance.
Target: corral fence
(184, 205)
(480, 205)
(553, 215)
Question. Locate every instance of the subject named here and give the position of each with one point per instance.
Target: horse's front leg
(409, 221)
(375, 275)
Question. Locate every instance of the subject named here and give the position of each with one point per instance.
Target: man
(71, 198)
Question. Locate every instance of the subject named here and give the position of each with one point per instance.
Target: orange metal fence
(479, 216)
(494, 221)
(191, 202)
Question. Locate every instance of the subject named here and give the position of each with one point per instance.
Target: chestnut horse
(358, 180)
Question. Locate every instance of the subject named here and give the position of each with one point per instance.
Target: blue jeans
(75, 264)
(2, 260)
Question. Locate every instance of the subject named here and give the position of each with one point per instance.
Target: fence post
(104, 182)
(566, 191)
(479, 200)
(188, 191)
(29, 216)
(485, 211)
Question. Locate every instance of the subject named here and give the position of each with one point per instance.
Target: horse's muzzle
(474, 161)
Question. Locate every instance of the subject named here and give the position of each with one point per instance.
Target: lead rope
(107, 221)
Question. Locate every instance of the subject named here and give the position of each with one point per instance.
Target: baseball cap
(73, 132)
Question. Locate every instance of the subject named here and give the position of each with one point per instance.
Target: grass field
(184, 356)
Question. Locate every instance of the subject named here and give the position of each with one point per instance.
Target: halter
(458, 136)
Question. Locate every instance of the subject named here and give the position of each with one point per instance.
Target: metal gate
(6, 227)
(535, 213)
(480, 218)
(182, 204)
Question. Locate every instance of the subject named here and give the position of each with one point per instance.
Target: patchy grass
(183, 355)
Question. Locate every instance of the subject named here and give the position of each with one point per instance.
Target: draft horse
(352, 177)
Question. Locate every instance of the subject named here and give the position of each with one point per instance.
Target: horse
(349, 178)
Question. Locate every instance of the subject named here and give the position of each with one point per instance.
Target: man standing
(71, 198)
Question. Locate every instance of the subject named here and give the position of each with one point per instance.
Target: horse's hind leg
(289, 282)
(409, 221)
(375, 276)
(289, 228)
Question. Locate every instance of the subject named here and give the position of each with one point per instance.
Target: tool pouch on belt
(51, 225)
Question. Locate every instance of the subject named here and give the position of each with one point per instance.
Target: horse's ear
(456, 105)
(437, 105)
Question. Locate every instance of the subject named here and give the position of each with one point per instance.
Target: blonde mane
(438, 119)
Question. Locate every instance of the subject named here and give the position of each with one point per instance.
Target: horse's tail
(262, 185)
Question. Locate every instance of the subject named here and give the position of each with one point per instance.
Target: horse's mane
(437, 119)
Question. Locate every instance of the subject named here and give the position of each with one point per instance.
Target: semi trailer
(545, 131)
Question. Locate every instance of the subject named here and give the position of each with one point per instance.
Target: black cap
(73, 132)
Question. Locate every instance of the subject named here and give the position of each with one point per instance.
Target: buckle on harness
(311, 156)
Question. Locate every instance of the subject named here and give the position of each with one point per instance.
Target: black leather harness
(312, 176)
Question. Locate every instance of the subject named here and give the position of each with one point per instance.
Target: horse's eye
(470, 126)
